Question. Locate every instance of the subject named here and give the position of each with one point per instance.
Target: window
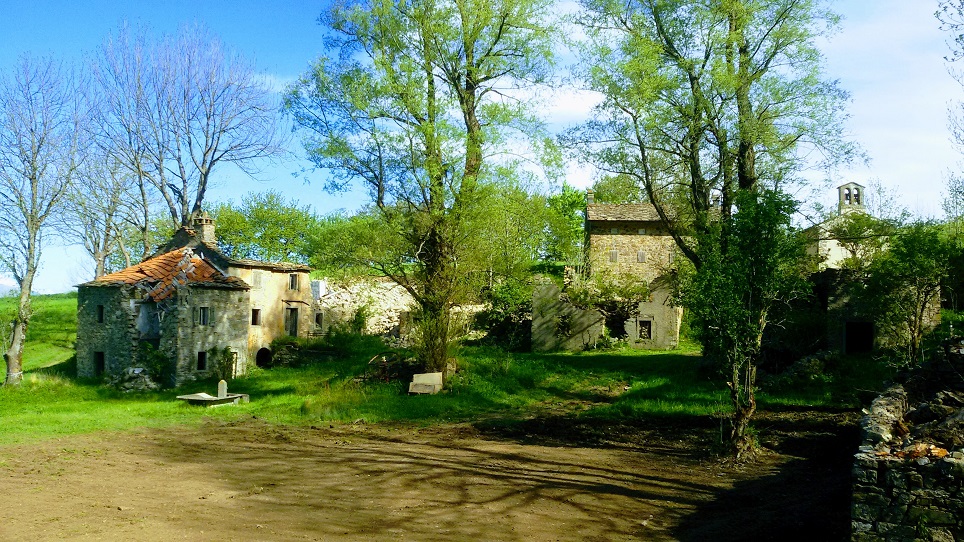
(255, 317)
(614, 231)
(293, 282)
(100, 363)
(642, 231)
(203, 316)
(100, 314)
(319, 319)
(645, 329)
(202, 361)
(641, 256)
(613, 255)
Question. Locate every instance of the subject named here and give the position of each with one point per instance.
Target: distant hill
(5, 289)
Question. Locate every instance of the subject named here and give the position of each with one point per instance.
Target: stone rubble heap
(134, 379)
(908, 475)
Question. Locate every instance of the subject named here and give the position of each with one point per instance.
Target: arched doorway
(263, 358)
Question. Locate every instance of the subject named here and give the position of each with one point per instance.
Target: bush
(507, 320)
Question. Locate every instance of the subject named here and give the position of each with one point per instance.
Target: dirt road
(256, 481)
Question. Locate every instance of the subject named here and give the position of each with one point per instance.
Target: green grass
(52, 331)
(491, 384)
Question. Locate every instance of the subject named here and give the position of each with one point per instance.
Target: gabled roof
(162, 275)
(621, 212)
(188, 237)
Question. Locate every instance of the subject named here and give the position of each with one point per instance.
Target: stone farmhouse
(194, 305)
(629, 239)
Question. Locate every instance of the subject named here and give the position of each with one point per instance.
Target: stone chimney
(204, 226)
(590, 196)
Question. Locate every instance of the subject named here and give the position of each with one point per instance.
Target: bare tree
(97, 208)
(177, 107)
(40, 129)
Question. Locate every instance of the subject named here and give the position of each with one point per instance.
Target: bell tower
(852, 197)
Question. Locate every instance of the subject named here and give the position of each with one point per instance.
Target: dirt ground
(548, 479)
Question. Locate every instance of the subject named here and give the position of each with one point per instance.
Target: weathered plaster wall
(115, 336)
(664, 317)
(557, 325)
(271, 294)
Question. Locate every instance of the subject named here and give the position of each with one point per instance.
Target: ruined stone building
(195, 306)
(630, 239)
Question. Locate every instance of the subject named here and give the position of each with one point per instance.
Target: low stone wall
(912, 492)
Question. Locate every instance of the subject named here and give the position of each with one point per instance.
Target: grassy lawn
(491, 384)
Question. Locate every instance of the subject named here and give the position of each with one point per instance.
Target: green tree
(265, 227)
(731, 297)
(905, 284)
(565, 226)
(863, 237)
(414, 104)
(618, 189)
(706, 104)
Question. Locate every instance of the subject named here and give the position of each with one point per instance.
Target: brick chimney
(204, 225)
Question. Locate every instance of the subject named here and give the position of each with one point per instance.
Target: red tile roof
(162, 274)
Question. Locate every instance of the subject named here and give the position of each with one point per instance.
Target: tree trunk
(14, 354)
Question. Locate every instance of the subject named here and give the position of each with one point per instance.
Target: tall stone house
(200, 310)
(630, 239)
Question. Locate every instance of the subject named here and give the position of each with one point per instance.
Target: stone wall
(385, 303)
(110, 330)
(908, 475)
(183, 336)
(627, 243)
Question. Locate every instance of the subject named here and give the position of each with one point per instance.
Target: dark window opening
(645, 329)
(100, 363)
(319, 319)
(202, 361)
(203, 316)
(293, 282)
(255, 317)
(858, 337)
(100, 314)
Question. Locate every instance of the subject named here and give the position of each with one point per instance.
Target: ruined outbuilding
(190, 311)
(628, 240)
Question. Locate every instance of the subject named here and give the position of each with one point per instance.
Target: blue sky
(888, 55)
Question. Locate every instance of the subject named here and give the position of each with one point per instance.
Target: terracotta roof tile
(161, 274)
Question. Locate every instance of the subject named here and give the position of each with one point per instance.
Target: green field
(490, 385)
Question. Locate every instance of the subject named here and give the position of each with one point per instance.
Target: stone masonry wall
(227, 326)
(115, 336)
(628, 239)
(904, 491)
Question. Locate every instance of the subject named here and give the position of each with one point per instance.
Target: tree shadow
(805, 498)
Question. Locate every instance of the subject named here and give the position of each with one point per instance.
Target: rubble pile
(133, 379)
